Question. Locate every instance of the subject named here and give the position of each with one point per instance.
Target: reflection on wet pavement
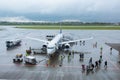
(65, 65)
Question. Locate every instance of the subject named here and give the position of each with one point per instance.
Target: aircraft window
(50, 47)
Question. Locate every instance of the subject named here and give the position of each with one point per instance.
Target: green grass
(69, 27)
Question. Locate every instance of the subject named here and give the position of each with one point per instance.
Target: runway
(71, 68)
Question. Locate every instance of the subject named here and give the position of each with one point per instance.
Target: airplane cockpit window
(50, 47)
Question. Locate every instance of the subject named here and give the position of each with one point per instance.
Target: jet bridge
(115, 46)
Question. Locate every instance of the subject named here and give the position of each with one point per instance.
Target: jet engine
(66, 46)
(44, 46)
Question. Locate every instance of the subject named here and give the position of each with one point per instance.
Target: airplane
(53, 45)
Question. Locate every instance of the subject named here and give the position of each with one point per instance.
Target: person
(92, 67)
(30, 48)
(99, 62)
(101, 49)
(96, 45)
(100, 57)
(80, 43)
(83, 43)
(87, 69)
(83, 67)
(96, 64)
(61, 62)
(105, 64)
(82, 55)
(73, 54)
(76, 43)
(69, 53)
(69, 59)
(110, 50)
(90, 61)
(27, 54)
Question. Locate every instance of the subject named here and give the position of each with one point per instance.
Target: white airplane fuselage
(54, 44)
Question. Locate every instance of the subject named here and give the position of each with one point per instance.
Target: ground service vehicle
(18, 58)
(30, 60)
(13, 43)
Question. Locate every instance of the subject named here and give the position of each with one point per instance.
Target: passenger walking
(87, 69)
(82, 55)
(96, 64)
(99, 62)
(101, 49)
(90, 61)
(92, 67)
(69, 53)
(83, 67)
(96, 45)
(105, 64)
(101, 58)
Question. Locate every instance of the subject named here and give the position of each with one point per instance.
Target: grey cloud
(63, 7)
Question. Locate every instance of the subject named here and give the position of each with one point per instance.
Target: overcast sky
(83, 10)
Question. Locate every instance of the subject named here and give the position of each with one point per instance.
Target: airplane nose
(49, 51)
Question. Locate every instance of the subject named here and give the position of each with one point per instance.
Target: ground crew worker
(101, 49)
(73, 54)
(68, 58)
(27, 54)
(61, 62)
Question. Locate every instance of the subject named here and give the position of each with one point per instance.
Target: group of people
(91, 66)
(97, 64)
(82, 43)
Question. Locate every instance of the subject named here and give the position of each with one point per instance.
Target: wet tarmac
(62, 67)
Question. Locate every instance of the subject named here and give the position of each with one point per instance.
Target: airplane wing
(72, 41)
(45, 41)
